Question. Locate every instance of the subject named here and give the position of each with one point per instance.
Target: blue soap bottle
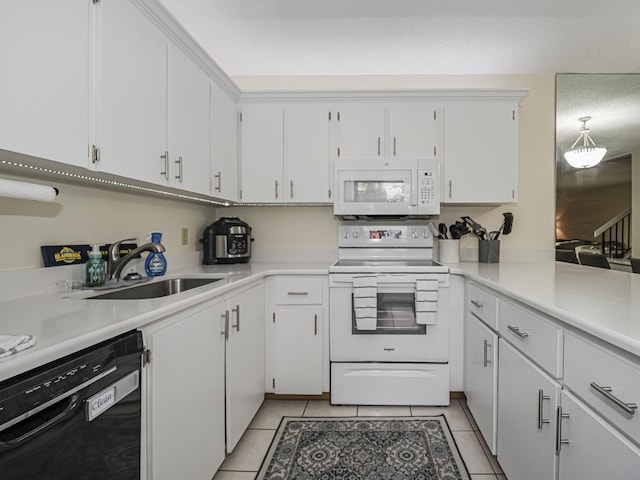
(156, 263)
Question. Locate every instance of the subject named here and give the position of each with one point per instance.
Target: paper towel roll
(26, 191)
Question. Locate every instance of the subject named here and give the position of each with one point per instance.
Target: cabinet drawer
(589, 366)
(298, 290)
(483, 305)
(536, 337)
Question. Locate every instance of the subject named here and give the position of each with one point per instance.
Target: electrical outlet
(185, 236)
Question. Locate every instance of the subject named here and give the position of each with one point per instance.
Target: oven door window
(396, 315)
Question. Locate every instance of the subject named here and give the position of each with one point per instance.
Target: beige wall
(85, 215)
(81, 214)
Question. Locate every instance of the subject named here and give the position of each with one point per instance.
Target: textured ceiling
(389, 37)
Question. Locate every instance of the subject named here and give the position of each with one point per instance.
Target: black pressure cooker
(227, 240)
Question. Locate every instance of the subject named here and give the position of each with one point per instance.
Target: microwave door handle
(414, 187)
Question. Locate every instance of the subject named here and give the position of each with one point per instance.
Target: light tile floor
(247, 457)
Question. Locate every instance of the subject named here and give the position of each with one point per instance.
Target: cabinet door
(413, 131)
(188, 122)
(132, 106)
(527, 401)
(224, 145)
(298, 351)
(186, 400)
(261, 152)
(481, 377)
(307, 166)
(480, 152)
(44, 84)
(361, 131)
(594, 448)
(245, 361)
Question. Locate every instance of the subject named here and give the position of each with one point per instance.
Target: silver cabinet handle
(476, 303)
(297, 293)
(166, 165)
(218, 177)
(629, 408)
(450, 187)
(486, 360)
(291, 188)
(559, 440)
(276, 187)
(237, 312)
(517, 331)
(541, 419)
(394, 146)
(315, 324)
(179, 162)
(378, 146)
(225, 332)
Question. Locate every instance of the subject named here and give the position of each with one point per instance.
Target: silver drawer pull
(541, 419)
(559, 440)
(297, 293)
(486, 360)
(476, 303)
(517, 331)
(629, 408)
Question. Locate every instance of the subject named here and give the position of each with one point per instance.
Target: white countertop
(64, 322)
(604, 303)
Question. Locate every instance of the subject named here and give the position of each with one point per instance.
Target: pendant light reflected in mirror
(584, 154)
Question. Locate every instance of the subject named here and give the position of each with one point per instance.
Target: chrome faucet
(116, 263)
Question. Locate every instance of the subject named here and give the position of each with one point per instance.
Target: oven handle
(384, 279)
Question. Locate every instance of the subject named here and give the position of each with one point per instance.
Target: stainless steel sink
(162, 288)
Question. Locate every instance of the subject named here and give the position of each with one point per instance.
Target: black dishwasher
(75, 418)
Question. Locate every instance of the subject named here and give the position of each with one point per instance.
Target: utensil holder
(489, 251)
(449, 251)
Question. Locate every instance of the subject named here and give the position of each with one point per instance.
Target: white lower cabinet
(481, 377)
(297, 350)
(297, 333)
(185, 395)
(245, 361)
(527, 403)
(591, 448)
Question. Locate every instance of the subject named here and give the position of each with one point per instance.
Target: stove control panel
(384, 236)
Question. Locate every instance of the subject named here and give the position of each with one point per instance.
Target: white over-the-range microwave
(369, 188)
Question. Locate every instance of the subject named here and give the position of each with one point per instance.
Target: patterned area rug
(363, 448)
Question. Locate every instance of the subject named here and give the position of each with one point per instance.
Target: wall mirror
(598, 200)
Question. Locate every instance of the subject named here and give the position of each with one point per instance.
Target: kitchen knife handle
(237, 312)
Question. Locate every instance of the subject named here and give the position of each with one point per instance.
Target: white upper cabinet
(261, 151)
(307, 167)
(44, 58)
(413, 130)
(480, 152)
(188, 122)
(285, 153)
(132, 100)
(400, 130)
(224, 145)
(360, 133)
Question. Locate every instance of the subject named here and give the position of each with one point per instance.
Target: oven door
(397, 336)
(375, 188)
